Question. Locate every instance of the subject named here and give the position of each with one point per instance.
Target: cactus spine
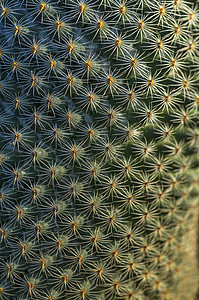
(99, 149)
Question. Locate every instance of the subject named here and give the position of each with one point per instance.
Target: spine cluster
(99, 149)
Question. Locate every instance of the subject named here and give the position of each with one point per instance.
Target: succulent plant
(99, 149)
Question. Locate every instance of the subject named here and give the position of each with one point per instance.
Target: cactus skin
(99, 149)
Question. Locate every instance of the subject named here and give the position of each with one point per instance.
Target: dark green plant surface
(99, 161)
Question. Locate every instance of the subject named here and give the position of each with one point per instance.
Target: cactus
(99, 149)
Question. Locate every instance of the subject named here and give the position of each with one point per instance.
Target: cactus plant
(99, 149)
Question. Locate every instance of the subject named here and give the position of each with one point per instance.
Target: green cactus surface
(99, 149)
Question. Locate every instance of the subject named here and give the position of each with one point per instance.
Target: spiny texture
(99, 144)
